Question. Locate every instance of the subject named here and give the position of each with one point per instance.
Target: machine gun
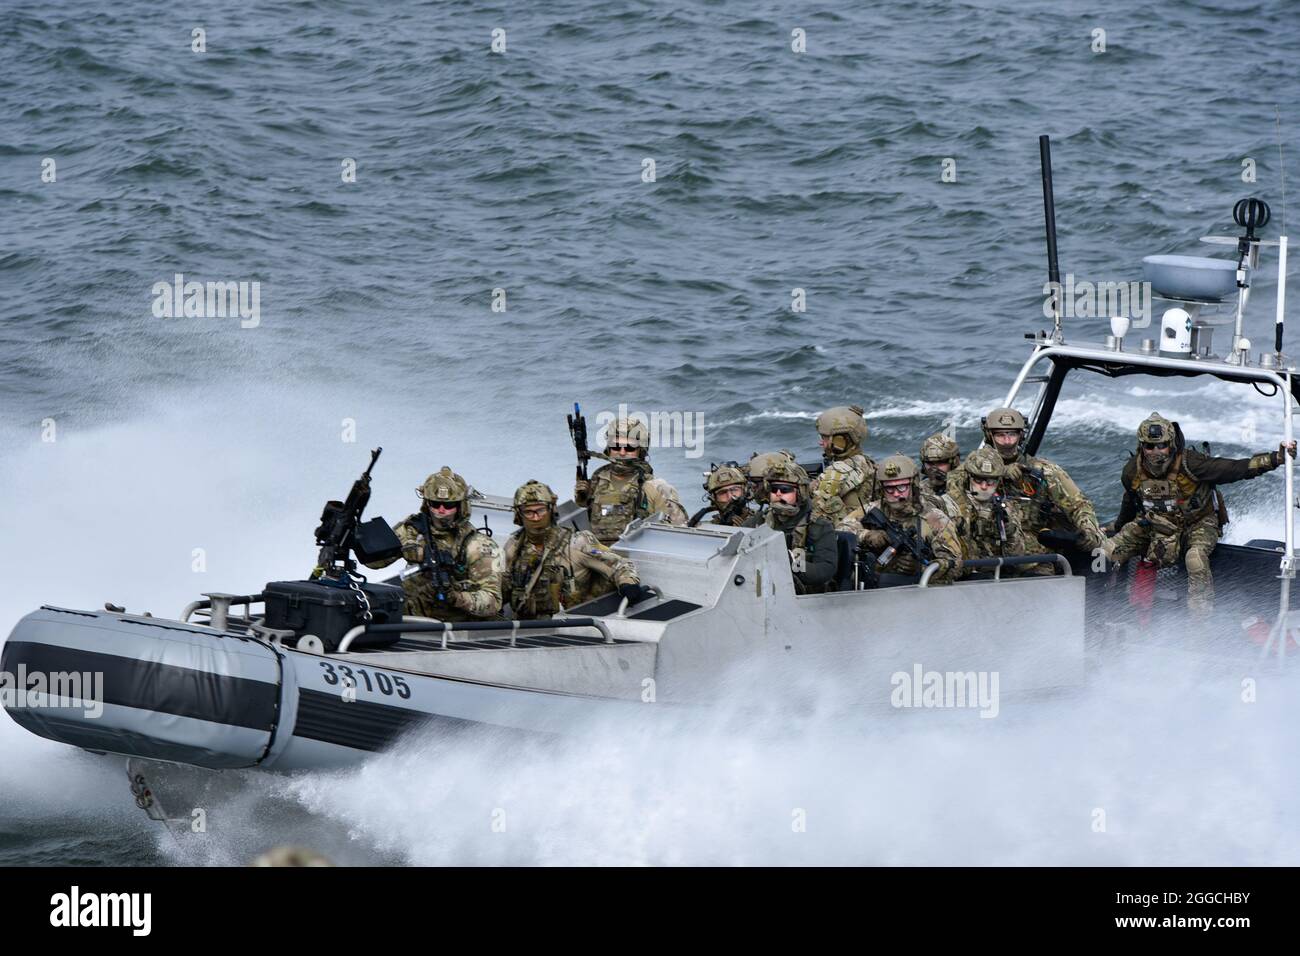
(899, 539)
(341, 532)
(578, 432)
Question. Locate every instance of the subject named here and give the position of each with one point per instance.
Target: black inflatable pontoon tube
(996, 564)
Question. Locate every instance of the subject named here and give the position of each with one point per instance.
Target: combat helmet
(845, 428)
(1156, 429)
(757, 468)
(940, 448)
(788, 472)
(985, 463)
(898, 467)
(445, 485)
(1004, 419)
(723, 475)
(629, 431)
(759, 463)
(531, 492)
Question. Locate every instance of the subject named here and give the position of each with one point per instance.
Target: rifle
(1000, 519)
(436, 563)
(578, 432)
(339, 521)
(898, 539)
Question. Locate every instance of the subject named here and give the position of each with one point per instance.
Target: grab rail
(224, 603)
(997, 564)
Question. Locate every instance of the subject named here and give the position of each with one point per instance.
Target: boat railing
(218, 606)
(997, 564)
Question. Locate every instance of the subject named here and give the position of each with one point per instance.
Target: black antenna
(1049, 217)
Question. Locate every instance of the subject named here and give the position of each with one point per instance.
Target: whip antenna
(1049, 217)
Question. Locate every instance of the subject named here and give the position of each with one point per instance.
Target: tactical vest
(1180, 497)
(1029, 488)
(613, 504)
(984, 531)
(463, 532)
(856, 496)
(554, 586)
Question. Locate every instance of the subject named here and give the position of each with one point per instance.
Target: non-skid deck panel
(665, 611)
(607, 605)
(407, 644)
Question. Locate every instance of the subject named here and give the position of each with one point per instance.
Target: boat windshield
(1085, 415)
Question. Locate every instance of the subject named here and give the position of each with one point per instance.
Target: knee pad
(1198, 561)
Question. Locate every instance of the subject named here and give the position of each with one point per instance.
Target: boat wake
(1150, 765)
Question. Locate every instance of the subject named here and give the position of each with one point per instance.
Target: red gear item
(1142, 592)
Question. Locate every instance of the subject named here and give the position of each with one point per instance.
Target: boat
(235, 681)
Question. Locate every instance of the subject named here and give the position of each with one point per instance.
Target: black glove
(635, 593)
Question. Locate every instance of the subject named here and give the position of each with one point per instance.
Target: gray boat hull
(726, 631)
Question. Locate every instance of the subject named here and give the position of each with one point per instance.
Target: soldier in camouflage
(848, 472)
(550, 568)
(626, 489)
(1172, 510)
(440, 535)
(756, 472)
(939, 455)
(809, 539)
(912, 516)
(992, 529)
(727, 491)
(1045, 496)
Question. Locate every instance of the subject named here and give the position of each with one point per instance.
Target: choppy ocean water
(522, 171)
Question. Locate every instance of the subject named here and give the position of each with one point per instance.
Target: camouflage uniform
(939, 448)
(622, 491)
(1044, 495)
(1179, 514)
(848, 473)
(756, 471)
(826, 504)
(810, 539)
(984, 536)
(733, 513)
(919, 516)
(550, 568)
(472, 559)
